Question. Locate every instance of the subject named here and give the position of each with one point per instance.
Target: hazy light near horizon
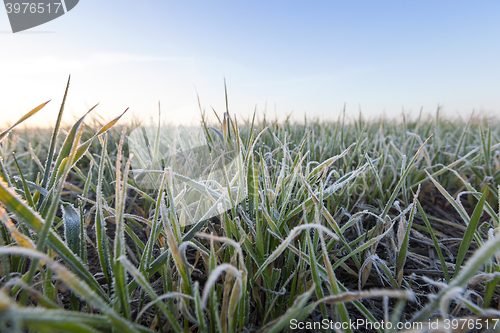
(281, 58)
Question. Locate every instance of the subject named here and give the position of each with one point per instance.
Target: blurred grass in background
(343, 220)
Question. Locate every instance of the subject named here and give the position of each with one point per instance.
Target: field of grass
(350, 220)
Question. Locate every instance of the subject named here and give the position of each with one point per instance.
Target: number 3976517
(33, 7)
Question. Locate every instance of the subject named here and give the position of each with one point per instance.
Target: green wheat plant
(344, 220)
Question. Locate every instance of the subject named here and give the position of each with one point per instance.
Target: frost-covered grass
(345, 221)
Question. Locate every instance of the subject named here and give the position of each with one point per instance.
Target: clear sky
(299, 57)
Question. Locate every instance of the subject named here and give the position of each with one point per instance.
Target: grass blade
(469, 233)
(23, 118)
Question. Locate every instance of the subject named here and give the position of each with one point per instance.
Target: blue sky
(299, 57)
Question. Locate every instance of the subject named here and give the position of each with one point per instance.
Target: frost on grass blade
(71, 219)
(207, 170)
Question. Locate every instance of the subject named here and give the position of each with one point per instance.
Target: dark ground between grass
(331, 228)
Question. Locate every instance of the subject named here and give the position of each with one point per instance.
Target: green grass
(379, 220)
